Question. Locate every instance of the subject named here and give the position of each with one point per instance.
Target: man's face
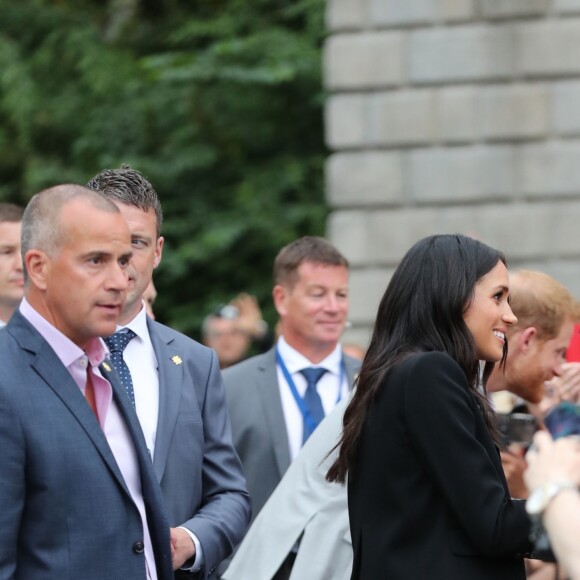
(84, 284)
(528, 371)
(313, 312)
(147, 249)
(11, 278)
(230, 342)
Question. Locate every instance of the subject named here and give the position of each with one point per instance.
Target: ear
(526, 339)
(158, 251)
(37, 268)
(279, 294)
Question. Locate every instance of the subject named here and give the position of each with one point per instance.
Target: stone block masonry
(449, 116)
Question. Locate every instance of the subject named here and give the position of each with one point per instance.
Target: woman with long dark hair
(426, 491)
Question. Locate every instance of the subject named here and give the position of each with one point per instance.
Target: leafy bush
(217, 102)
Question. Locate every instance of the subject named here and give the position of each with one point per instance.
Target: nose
(331, 303)
(18, 261)
(118, 278)
(560, 359)
(508, 315)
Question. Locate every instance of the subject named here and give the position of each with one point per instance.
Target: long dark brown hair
(422, 310)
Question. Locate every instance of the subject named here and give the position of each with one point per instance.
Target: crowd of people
(131, 451)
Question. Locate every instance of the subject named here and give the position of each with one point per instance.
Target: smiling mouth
(500, 335)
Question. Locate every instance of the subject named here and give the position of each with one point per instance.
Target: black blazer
(428, 497)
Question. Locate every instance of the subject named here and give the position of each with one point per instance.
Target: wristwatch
(541, 497)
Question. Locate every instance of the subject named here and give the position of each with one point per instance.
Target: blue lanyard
(299, 400)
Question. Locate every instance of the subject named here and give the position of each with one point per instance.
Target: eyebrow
(141, 236)
(95, 254)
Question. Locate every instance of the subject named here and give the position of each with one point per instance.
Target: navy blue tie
(312, 400)
(117, 344)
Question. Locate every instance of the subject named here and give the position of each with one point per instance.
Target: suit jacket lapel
(269, 393)
(170, 371)
(56, 376)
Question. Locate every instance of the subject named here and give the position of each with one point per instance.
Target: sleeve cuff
(197, 563)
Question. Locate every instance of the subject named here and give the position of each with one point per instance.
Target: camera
(227, 311)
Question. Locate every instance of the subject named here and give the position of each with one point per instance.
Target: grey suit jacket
(258, 424)
(195, 461)
(304, 506)
(65, 509)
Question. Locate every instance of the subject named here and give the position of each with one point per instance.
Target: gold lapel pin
(176, 360)
(106, 367)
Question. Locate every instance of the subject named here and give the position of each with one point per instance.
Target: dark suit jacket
(195, 460)
(65, 509)
(258, 424)
(427, 497)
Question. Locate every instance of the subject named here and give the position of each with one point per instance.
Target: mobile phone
(516, 428)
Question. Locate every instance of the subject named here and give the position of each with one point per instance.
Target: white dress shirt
(142, 362)
(329, 387)
(139, 356)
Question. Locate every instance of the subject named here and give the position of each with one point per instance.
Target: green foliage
(217, 102)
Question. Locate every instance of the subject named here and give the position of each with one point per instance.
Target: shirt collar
(65, 349)
(295, 361)
(138, 325)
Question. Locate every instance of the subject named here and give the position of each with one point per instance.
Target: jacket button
(138, 547)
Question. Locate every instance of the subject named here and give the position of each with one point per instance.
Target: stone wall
(450, 116)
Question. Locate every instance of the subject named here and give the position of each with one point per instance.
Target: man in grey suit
(78, 493)
(276, 399)
(179, 398)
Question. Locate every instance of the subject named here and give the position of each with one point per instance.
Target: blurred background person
(11, 277)
(553, 476)
(236, 329)
(277, 399)
(546, 313)
(427, 496)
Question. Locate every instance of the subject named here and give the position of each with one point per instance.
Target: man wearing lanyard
(78, 493)
(277, 399)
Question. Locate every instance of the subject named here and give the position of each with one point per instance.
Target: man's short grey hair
(41, 221)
